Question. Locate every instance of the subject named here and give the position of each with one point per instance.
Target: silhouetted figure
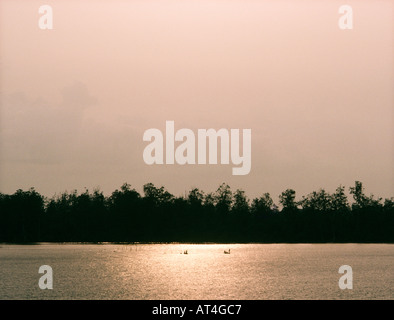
(185, 252)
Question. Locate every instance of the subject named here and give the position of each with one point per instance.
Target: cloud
(37, 131)
(77, 97)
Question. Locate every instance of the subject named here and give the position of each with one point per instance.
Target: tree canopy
(221, 216)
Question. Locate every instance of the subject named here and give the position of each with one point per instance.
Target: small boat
(227, 252)
(185, 252)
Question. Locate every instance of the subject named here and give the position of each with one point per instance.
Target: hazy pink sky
(76, 100)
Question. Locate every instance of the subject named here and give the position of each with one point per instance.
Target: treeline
(221, 216)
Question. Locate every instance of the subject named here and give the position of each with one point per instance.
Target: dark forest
(220, 216)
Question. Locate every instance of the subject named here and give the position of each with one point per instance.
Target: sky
(76, 100)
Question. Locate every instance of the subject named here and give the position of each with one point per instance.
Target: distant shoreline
(181, 243)
(224, 216)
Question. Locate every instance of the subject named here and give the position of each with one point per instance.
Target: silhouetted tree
(223, 198)
(287, 200)
(339, 200)
(196, 197)
(240, 202)
(262, 205)
(361, 200)
(21, 216)
(318, 201)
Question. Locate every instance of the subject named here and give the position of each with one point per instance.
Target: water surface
(162, 271)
